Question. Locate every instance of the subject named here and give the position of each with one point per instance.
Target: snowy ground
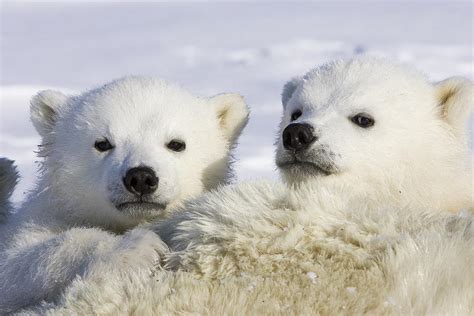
(252, 48)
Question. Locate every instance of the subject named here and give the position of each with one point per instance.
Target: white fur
(70, 226)
(415, 148)
(8, 180)
(372, 235)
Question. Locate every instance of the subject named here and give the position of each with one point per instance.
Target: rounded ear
(233, 114)
(288, 90)
(455, 97)
(44, 109)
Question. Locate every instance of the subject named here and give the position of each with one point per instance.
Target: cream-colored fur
(294, 252)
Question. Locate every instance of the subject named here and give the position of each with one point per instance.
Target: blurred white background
(212, 47)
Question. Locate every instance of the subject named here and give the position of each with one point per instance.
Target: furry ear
(455, 97)
(288, 90)
(233, 114)
(44, 109)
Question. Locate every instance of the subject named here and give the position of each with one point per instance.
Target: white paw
(140, 248)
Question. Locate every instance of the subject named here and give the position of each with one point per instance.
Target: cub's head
(373, 126)
(131, 149)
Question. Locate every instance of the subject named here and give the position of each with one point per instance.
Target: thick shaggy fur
(72, 225)
(360, 227)
(261, 249)
(8, 180)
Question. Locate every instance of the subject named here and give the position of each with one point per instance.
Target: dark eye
(296, 114)
(176, 145)
(103, 145)
(363, 120)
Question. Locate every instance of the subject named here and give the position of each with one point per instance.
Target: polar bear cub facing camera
(114, 157)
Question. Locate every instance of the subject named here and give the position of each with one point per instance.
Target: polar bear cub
(380, 132)
(373, 155)
(114, 157)
(355, 134)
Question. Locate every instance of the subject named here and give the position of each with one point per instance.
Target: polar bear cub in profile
(381, 131)
(373, 156)
(359, 134)
(114, 157)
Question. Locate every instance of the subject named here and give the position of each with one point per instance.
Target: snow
(312, 276)
(211, 47)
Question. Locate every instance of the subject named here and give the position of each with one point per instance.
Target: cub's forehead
(360, 82)
(137, 101)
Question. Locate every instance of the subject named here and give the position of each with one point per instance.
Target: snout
(141, 181)
(298, 137)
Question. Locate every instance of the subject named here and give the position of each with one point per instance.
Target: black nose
(298, 137)
(141, 180)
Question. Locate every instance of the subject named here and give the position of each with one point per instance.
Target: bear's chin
(304, 169)
(141, 209)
